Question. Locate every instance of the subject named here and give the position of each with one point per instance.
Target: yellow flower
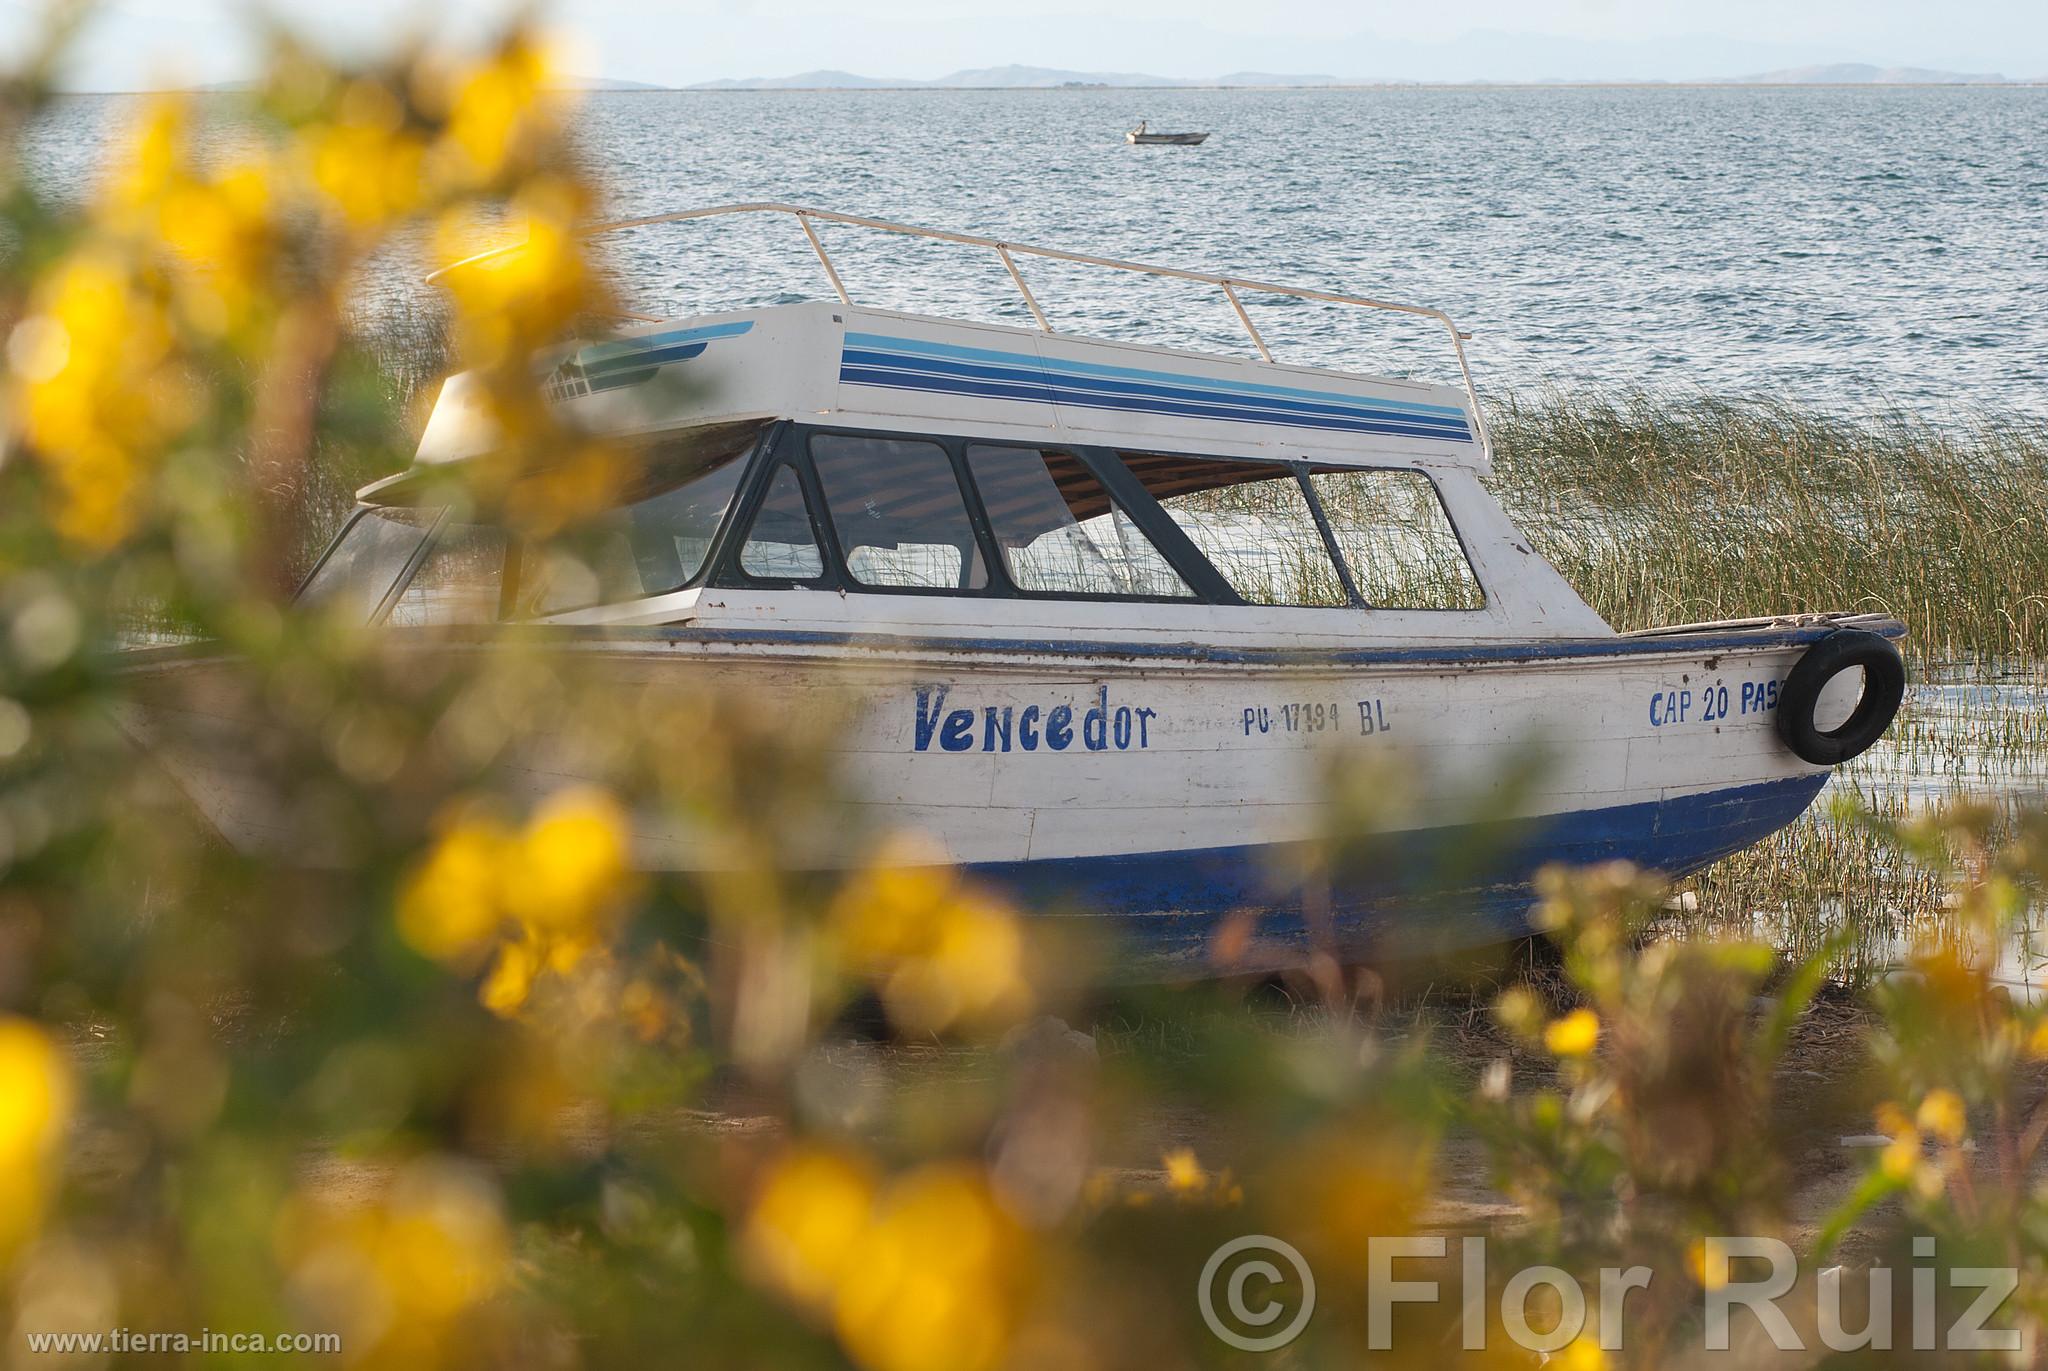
(942, 953)
(35, 1108)
(504, 991)
(153, 160)
(98, 395)
(938, 1280)
(498, 109)
(1707, 1278)
(1583, 1353)
(394, 1273)
(367, 164)
(2037, 1040)
(550, 889)
(1574, 1035)
(1184, 1174)
(1941, 1114)
(1900, 1160)
(572, 862)
(449, 909)
(514, 302)
(809, 1224)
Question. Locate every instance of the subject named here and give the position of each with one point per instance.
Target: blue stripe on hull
(1455, 888)
(1430, 654)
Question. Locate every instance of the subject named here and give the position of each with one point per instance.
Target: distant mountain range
(1011, 77)
(1054, 78)
(569, 81)
(1864, 74)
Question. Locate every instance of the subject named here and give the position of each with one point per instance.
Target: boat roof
(841, 364)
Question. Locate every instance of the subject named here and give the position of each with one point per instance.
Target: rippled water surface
(1842, 247)
(1852, 247)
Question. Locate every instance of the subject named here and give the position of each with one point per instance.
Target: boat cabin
(831, 468)
(938, 468)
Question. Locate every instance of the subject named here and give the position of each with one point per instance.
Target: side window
(459, 582)
(781, 545)
(1397, 539)
(896, 506)
(1251, 521)
(1058, 529)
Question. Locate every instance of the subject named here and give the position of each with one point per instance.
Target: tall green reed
(1675, 508)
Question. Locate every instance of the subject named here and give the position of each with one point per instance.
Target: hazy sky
(139, 42)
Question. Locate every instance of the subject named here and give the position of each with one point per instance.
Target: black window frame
(1436, 489)
(723, 567)
(1090, 460)
(835, 552)
(789, 443)
(1296, 467)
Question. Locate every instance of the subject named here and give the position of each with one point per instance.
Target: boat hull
(1159, 788)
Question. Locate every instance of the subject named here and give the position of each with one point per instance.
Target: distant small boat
(1139, 135)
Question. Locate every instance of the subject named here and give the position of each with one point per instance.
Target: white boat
(1140, 136)
(1098, 613)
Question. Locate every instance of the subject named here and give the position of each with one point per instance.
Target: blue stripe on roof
(651, 342)
(897, 364)
(927, 349)
(1044, 393)
(655, 357)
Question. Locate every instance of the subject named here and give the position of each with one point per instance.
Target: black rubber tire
(1884, 685)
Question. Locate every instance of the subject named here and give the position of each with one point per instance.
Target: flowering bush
(460, 1084)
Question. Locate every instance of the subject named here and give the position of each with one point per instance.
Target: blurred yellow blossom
(364, 160)
(98, 392)
(939, 1278)
(544, 895)
(35, 1108)
(498, 107)
(1183, 1172)
(942, 953)
(510, 303)
(1574, 1035)
(809, 1223)
(449, 909)
(1705, 1276)
(1904, 1159)
(1582, 1353)
(572, 862)
(1941, 1114)
(511, 977)
(1901, 1156)
(925, 1273)
(394, 1271)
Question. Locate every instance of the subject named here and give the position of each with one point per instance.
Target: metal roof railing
(1008, 252)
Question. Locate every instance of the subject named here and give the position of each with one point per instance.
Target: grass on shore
(1663, 509)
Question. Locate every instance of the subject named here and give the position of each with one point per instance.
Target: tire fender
(1884, 686)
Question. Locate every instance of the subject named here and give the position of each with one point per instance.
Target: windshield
(365, 562)
(655, 542)
(649, 547)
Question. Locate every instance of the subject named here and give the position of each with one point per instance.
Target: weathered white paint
(1200, 778)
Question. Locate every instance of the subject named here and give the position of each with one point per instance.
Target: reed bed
(1673, 509)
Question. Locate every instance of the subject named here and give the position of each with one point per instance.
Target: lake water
(1850, 248)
